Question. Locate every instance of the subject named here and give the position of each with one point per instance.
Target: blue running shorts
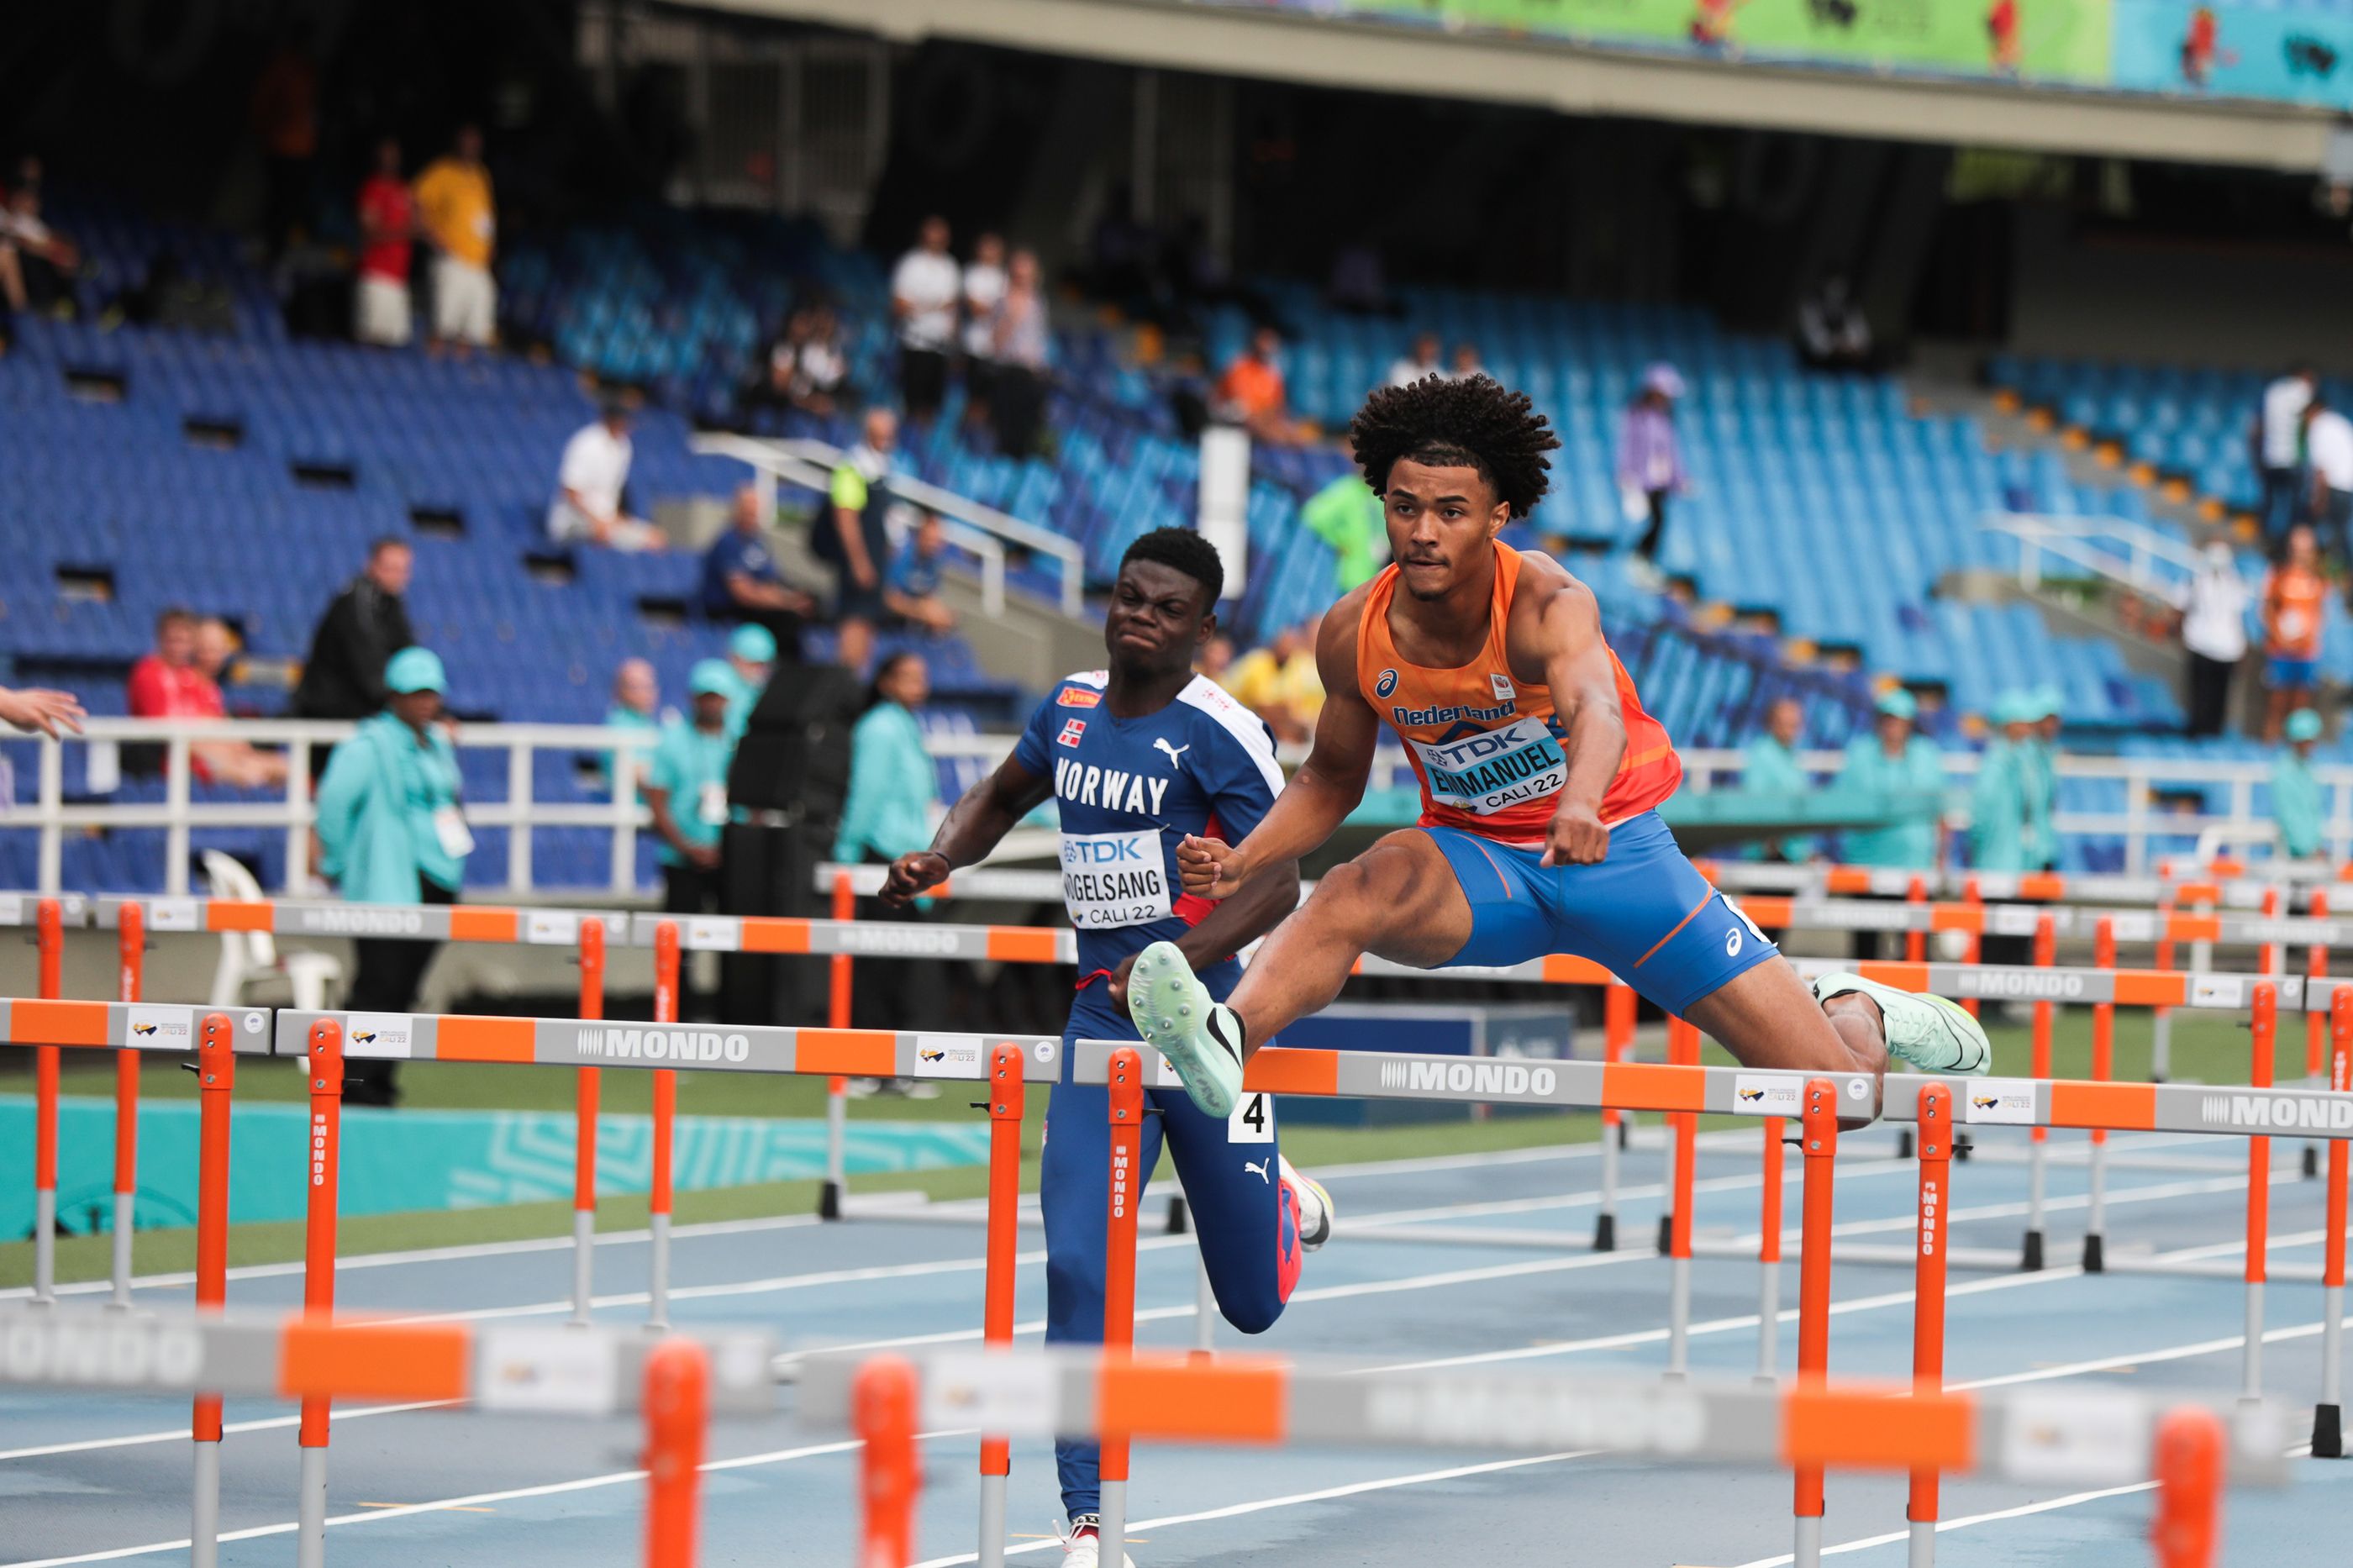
(1644, 913)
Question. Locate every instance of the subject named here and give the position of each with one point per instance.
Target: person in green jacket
(1348, 517)
(2001, 803)
(1895, 760)
(1770, 769)
(751, 660)
(392, 830)
(893, 785)
(2295, 793)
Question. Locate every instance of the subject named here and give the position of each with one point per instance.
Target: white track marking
(180, 1434)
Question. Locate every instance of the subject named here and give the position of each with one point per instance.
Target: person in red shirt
(1250, 392)
(2001, 31)
(2295, 608)
(166, 684)
(2201, 47)
(387, 212)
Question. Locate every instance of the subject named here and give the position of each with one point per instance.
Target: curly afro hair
(1474, 422)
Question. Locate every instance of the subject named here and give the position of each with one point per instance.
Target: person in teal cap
(686, 791)
(392, 830)
(1894, 759)
(2001, 830)
(893, 785)
(750, 657)
(1770, 770)
(2295, 793)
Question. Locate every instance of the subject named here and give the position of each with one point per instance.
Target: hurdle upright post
(2327, 1418)
(1683, 1050)
(2265, 1026)
(883, 1402)
(131, 962)
(50, 937)
(1684, 1154)
(1915, 938)
(1768, 1257)
(2190, 1445)
(1974, 951)
(586, 1092)
(838, 992)
(1005, 1112)
(676, 1419)
(1819, 1126)
(1617, 1039)
(658, 1195)
(2104, 1067)
(216, 1081)
(2160, 1023)
(1119, 1275)
(1935, 1145)
(2315, 1030)
(323, 1054)
(2046, 953)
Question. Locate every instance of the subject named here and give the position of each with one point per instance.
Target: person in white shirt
(2277, 440)
(2329, 455)
(588, 485)
(925, 289)
(983, 292)
(2214, 633)
(1406, 369)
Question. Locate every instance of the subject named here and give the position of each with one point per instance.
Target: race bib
(449, 826)
(1493, 770)
(1112, 879)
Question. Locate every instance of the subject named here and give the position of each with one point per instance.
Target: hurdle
(2092, 1437)
(49, 917)
(677, 1383)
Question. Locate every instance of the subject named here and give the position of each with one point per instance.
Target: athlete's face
(1441, 522)
(1157, 621)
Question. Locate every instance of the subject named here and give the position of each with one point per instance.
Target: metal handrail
(2058, 536)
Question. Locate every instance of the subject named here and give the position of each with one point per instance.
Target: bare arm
(1323, 791)
(975, 825)
(1556, 636)
(665, 823)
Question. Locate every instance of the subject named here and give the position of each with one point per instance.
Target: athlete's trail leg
(1398, 900)
(1768, 1017)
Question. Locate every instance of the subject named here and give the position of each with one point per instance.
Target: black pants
(688, 891)
(2209, 693)
(922, 381)
(1649, 549)
(1017, 405)
(384, 977)
(2282, 502)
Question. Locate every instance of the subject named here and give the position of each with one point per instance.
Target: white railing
(2070, 538)
(982, 530)
(624, 817)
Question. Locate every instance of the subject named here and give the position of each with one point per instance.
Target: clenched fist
(911, 875)
(1575, 837)
(1211, 868)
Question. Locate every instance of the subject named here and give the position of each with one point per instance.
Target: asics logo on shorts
(1731, 943)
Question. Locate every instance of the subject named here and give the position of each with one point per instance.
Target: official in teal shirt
(751, 660)
(391, 831)
(2045, 704)
(893, 782)
(2295, 793)
(1894, 760)
(2001, 803)
(686, 793)
(1770, 770)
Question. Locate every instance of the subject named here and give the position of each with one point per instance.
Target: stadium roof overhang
(1366, 57)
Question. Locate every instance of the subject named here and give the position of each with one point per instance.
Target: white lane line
(180, 1434)
(1236, 1510)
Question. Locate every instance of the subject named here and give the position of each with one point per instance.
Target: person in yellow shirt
(454, 210)
(1281, 684)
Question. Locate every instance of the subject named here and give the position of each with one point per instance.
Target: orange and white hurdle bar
(678, 1383)
(2080, 1435)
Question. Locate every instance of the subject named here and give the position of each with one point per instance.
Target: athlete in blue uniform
(1137, 758)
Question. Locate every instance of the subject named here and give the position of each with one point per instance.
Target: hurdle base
(2031, 1258)
(2311, 1162)
(992, 1521)
(1921, 1547)
(1807, 1541)
(828, 1201)
(1605, 1233)
(2095, 1254)
(311, 1531)
(204, 1512)
(2327, 1432)
(1666, 1234)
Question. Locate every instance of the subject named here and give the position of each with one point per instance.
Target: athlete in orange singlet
(1540, 777)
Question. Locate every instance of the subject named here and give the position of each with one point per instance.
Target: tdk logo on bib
(1386, 684)
(1100, 851)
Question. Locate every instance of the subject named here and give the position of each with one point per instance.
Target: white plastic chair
(247, 957)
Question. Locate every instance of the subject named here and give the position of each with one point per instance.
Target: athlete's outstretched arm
(975, 825)
(1569, 648)
(1323, 791)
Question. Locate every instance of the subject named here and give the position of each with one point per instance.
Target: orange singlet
(1488, 749)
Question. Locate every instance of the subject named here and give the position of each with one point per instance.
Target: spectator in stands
(1770, 771)
(751, 660)
(2294, 605)
(2215, 634)
(2002, 36)
(2328, 454)
(589, 483)
(1281, 684)
(1250, 392)
(1408, 368)
(45, 259)
(1833, 333)
(740, 581)
(387, 213)
(1466, 362)
(858, 546)
(636, 705)
(2277, 437)
(925, 287)
(807, 368)
(910, 589)
(459, 217)
(2295, 793)
(217, 646)
(894, 787)
(1905, 768)
(1349, 517)
(284, 112)
(168, 684)
(35, 708)
(1217, 659)
(2048, 706)
(364, 627)
(1020, 351)
(392, 830)
(982, 294)
(2002, 827)
(1651, 455)
(686, 792)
